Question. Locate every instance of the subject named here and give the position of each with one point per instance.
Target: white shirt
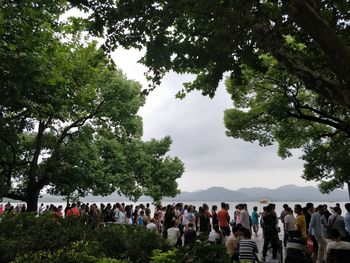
(185, 217)
(244, 218)
(213, 236)
(289, 222)
(151, 226)
(338, 245)
(119, 216)
(173, 235)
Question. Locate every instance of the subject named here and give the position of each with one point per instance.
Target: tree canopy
(208, 38)
(68, 117)
(275, 107)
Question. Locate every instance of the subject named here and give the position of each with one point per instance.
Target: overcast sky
(196, 127)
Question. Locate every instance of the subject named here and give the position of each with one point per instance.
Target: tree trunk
(32, 201)
(348, 183)
(68, 200)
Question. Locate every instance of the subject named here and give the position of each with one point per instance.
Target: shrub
(25, 233)
(77, 252)
(113, 237)
(140, 243)
(45, 239)
(163, 257)
(27, 238)
(202, 252)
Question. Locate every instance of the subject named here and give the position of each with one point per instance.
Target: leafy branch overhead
(275, 107)
(208, 38)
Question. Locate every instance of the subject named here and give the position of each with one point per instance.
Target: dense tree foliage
(275, 107)
(68, 116)
(209, 38)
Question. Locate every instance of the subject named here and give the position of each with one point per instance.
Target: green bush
(84, 252)
(28, 238)
(25, 233)
(113, 238)
(140, 243)
(163, 257)
(202, 252)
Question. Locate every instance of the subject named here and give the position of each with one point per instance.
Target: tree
(68, 117)
(275, 107)
(209, 38)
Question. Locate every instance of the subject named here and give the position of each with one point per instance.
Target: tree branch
(38, 147)
(303, 116)
(272, 41)
(321, 113)
(330, 135)
(335, 51)
(78, 123)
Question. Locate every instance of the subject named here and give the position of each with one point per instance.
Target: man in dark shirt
(270, 231)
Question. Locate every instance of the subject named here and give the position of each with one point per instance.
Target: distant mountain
(293, 193)
(283, 193)
(213, 194)
(218, 194)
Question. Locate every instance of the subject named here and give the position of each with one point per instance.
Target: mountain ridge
(286, 193)
(218, 194)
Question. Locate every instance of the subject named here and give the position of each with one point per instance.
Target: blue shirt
(255, 218)
(315, 225)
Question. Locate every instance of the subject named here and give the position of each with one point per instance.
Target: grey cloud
(196, 127)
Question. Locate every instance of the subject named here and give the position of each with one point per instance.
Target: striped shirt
(247, 250)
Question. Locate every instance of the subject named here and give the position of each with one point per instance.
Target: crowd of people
(316, 229)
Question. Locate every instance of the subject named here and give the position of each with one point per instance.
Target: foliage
(27, 238)
(141, 243)
(274, 107)
(113, 240)
(163, 257)
(208, 38)
(202, 252)
(328, 161)
(24, 233)
(69, 118)
(80, 251)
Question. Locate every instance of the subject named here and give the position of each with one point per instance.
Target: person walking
(300, 222)
(255, 220)
(270, 232)
(224, 218)
(315, 229)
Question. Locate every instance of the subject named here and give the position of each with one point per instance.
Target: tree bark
(32, 201)
(33, 188)
(335, 51)
(68, 199)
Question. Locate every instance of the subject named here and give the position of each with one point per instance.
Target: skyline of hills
(218, 194)
(286, 193)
